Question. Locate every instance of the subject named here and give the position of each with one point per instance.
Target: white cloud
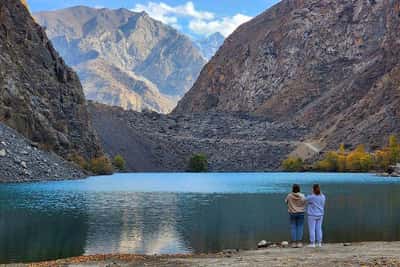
(169, 14)
(199, 22)
(224, 25)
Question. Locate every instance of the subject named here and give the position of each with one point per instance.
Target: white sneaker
(312, 245)
(319, 245)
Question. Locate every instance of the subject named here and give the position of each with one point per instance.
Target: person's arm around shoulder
(309, 198)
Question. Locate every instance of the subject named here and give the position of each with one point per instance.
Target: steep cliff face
(40, 96)
(151, 64)
(331, 65)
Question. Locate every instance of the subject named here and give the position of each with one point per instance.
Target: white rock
(285, 244)
(262, 243)
(23, 164)
(3, 153)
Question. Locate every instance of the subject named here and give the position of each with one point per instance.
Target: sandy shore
(359, 254)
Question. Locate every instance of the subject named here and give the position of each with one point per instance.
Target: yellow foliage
(101, 165)
(293, 164)
(79, 160)
(359, 160)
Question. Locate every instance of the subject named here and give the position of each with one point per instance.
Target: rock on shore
(22, 161)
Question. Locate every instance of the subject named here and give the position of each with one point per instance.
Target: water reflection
(55, 220)
(136, 223)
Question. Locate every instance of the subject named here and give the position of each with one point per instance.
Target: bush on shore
(100, 165)
(80, 161)
(198, 163)
(293, 164)
(119, 162)
(359, 160)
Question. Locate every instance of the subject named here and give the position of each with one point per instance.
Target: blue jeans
(296, 226)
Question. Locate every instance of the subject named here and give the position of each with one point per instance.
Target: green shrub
(293, 164)
(198, 163)
(119, 162)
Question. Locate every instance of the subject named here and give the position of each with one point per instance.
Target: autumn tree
(293, 164)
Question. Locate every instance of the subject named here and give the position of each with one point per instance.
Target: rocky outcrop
(331, 65)
(124, 58)
(40, 96)
(22, 161)
(232, 142)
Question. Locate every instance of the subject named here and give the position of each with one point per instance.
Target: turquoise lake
(157, 213)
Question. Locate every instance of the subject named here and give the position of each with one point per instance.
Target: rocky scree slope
(124, 58)
(22, 161)
(40, 96)
(232, 142)
(332, 65)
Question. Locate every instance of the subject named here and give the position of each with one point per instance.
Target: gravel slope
(22, 161)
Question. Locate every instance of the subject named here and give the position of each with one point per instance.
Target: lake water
(184, 213)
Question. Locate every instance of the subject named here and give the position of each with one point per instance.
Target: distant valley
(127, 59)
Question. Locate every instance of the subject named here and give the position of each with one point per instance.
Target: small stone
(285, 244)
(229, 251)
(3, 153)
(264, 244)
(23, 164)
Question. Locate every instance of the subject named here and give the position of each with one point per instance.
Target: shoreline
(356, 254)
(86, 175)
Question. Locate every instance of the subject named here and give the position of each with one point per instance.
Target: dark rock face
(40, 96)
(332, 65)
(124, 58)
(22, 161)
(232, 142)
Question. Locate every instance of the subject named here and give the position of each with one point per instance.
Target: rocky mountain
(40, 96)
(210, 45)
(331, 66)
(124, 58)
(150, 141)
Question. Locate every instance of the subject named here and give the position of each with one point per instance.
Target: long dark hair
(316, 189)
(296, 188)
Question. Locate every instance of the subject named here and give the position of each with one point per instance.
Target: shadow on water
(57, 220)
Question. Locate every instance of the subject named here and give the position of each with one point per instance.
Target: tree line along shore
(383, 160)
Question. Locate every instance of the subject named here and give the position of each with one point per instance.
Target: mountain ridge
(329, 65)
(165, 62)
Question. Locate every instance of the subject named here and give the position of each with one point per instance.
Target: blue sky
(196, 18)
